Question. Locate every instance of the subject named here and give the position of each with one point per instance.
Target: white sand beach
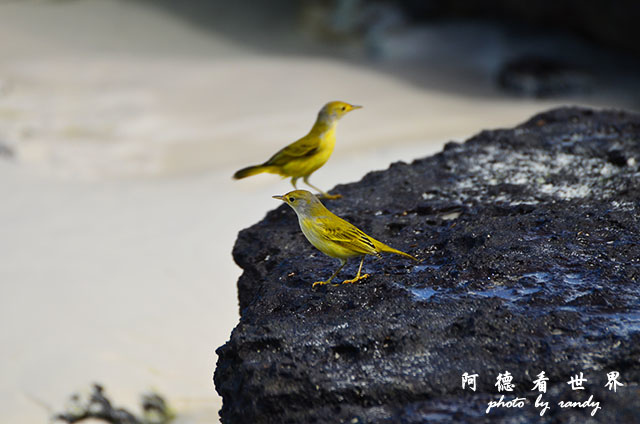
(119, 213)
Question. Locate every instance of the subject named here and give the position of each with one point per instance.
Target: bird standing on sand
(332, 235)
(303, 157)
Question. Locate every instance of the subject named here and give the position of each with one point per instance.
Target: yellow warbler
(332, 235)
(302, 158)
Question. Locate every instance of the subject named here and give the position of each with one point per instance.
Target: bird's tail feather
(251, 170)
(388, 249)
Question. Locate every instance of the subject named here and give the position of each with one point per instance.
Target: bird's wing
(346, 235)
(306, 146)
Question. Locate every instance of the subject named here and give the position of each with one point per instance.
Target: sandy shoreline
(119, 213)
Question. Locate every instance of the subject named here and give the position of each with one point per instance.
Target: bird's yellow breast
(306, 165)
(313, 233)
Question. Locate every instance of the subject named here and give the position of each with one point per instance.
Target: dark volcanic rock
(531, 247)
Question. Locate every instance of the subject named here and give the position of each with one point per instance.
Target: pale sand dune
(116, 255)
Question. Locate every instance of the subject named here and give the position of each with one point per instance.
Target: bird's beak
(278, 197)
(356, 107)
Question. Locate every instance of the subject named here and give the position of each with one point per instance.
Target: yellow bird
(303, 157)
(332, 235)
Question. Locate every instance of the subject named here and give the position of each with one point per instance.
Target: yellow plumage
(303, 157)
(332, 235)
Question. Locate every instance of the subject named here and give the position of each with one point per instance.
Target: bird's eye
(292, 199)
(344, 108)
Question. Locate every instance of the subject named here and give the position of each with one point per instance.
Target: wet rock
(530, 240)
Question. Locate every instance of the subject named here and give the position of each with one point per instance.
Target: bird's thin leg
(324, 193)
(343, 262)
(358, 277)
(293, 182)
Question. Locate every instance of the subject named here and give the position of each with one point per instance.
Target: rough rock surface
(531, 245)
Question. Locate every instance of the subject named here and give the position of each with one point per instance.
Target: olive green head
(336, 110)
(303, 202)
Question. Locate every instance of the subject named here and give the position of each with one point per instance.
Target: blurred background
(121, 123)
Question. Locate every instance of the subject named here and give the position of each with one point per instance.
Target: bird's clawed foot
(358, 278)
(319, 283)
